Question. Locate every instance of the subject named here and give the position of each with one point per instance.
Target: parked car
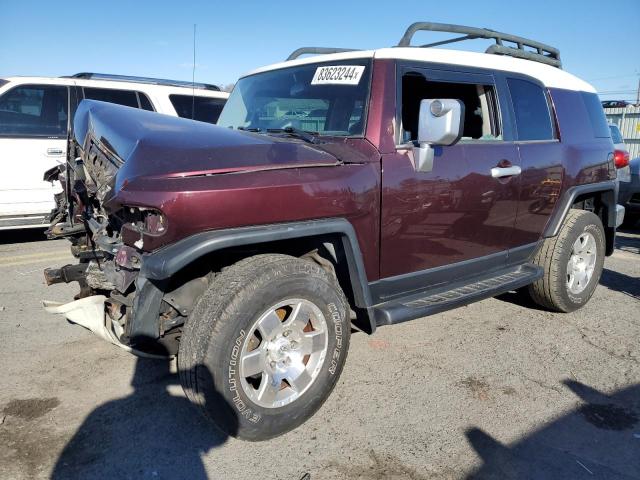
(621, 161)
(252, 248)
(34, 118)
(614, 104)
(630, 194)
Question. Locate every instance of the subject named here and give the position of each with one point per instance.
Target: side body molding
(159, 266)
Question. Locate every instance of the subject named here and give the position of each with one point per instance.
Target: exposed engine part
(66, 274)
(97, 277)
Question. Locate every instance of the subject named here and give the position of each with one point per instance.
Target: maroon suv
(348, 190)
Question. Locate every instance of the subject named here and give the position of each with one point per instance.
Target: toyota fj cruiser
(407, 181)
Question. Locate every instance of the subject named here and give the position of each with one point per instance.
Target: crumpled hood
(142, 143)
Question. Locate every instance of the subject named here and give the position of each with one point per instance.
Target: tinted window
(533, 119)
(145, 103)
(127, 98)
(34, 110)
(206, 109)
(596, 115)
(616, 136)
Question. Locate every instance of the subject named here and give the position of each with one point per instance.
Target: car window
(145, 103)
(596, 115)
(533, 117)
(330, 99)
(34, 110)
(203, 109)
(128, 98)
(616, 136)
(481, 113)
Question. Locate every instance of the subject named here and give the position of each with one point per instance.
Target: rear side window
(203, 109)
(127, 98)
(533, 117)
(616, 136)
(596, 115)
(34, 110)
(145, 103)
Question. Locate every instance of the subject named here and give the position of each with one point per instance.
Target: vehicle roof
(119, 85)
(552, 77)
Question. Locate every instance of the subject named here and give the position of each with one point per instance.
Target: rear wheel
(265, 345)
(572, 262)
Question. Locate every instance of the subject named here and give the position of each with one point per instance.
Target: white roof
(550, 76)
(117, 84)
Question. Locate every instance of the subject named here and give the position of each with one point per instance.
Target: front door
(464, 209)
(33, 129)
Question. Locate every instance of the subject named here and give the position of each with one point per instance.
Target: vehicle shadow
(620, 282)
(522, 299)
(595, 440)
(150, 433)
(25, 235)
(628, 244)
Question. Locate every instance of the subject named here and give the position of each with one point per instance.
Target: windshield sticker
(338, 75)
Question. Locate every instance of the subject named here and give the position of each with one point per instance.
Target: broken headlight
(146, 220)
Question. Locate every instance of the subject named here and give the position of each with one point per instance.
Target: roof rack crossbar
(538, 52)
(152, 81)
(317, 51)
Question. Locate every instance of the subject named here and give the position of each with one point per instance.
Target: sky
(597, 39)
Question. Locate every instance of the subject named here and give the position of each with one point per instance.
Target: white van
(35, 113)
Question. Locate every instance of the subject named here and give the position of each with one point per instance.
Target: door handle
(499, 172)
(55, 152)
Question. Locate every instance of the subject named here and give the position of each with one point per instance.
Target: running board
(455, 295)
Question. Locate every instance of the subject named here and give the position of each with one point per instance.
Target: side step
(455, 295)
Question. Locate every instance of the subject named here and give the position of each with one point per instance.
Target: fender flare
(159, 266)
(609, 187)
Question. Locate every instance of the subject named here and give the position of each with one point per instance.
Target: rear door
(541, 158)
(33, 130)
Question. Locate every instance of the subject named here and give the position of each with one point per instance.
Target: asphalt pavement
(497, 389)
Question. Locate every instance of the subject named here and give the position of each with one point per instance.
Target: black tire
(552, 291)
(234, 301)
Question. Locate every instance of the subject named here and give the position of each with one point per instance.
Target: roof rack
(523, 48)
(152, 81)
(317, 51)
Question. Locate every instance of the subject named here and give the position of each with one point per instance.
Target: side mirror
(440, 122)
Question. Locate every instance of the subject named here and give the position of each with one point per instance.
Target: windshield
(327, 98)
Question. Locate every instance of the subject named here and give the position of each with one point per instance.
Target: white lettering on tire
(240, 405)
(337, 321)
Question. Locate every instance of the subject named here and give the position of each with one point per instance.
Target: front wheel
(265, 345)
(572, 262)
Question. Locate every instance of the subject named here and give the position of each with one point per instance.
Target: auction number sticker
(338, 74)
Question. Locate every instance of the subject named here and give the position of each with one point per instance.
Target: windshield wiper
(296, 132)
(250, 129)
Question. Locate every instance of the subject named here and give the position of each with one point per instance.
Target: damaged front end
(115, 301)
(136, 184)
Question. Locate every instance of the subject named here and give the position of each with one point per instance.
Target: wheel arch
(335, 239)
(601, 198)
